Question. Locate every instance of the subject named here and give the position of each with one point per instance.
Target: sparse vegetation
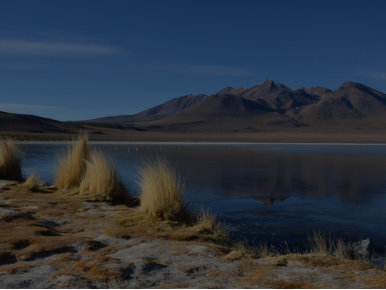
(10, 161)
(101, 181)
(162, 191)
(321, 245)
(33, 183)
(210, 224)
(261, 250)
(72, 167)
(97, 230)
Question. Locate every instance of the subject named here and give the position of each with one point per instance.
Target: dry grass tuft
(34, 183)
(162, 191)
(343, 250)
(326, 261)
(326, 246)
(210, 224)
(10, 161)
(259, 251)
(320, 244)
(262, 250)
(101, 181)
(233, 256)
(72, 167)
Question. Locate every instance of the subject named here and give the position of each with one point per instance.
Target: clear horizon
(71, 60)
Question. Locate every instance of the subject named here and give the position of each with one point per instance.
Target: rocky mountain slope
(269, 106)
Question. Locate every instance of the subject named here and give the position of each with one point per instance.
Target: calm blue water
(270, 192)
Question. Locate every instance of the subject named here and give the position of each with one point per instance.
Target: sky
(77, 60)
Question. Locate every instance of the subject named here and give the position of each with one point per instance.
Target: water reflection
(268, 176)
(271, 177)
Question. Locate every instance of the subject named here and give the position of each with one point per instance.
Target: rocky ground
(52, 240)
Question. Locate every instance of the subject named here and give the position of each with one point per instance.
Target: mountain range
(269, 107)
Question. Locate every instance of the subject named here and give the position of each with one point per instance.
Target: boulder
(361, 249)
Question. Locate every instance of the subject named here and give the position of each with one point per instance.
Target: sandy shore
(48, 239)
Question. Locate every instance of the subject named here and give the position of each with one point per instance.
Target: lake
(278, 193)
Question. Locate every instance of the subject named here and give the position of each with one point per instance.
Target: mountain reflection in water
(271, 177)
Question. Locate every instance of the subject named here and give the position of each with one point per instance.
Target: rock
(361, 248)
(10, 214)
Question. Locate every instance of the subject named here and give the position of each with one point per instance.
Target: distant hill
(30, 126)
(269, 106)
(33, 124)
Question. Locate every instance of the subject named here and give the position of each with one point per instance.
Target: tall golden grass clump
(320, 244)
(101, 181)
(343, 250)
(162, 191)
(10, 161)
(72, 167)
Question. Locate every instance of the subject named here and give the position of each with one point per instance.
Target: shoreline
(289, 137)
(214, 143)
(61, 241)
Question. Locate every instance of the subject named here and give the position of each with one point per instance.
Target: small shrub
(161, 191)
(72, 167)
(101, 181)
(210, 224)
(33, 183)
(10, 161)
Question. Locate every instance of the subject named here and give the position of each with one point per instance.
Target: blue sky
(74, 60)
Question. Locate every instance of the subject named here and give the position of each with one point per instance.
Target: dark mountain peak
(272, 94)
(225, 90)
(357, 89)
(270, 84)
(265, 88)
(232, 91)
(350, 85)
